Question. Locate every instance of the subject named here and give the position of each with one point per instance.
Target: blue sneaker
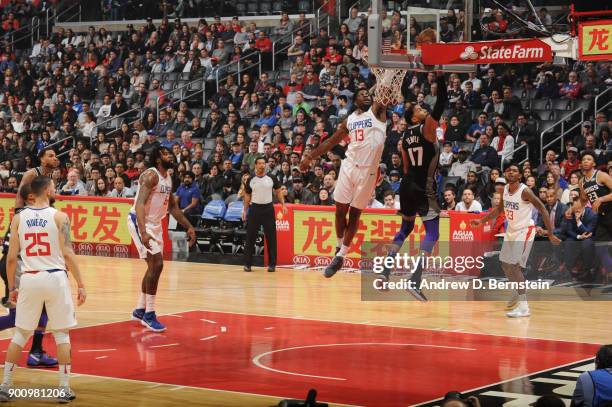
(149, 320)
(41, 359)
(137, 314)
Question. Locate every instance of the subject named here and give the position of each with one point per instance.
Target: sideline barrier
(306, 235)
(98, 224)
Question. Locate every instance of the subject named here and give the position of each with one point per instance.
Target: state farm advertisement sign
(487, 52)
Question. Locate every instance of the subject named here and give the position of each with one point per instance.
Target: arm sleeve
(247, 186)
(441, 100)
(276, 183)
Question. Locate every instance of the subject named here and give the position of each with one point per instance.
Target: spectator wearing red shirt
(264, 45)
(573, 88)
(332, 55)
(499, 25)
(571, 164)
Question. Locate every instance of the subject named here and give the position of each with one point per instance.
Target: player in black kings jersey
(596, 188)
(417, 191)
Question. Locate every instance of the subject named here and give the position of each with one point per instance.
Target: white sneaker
(519, 312)
(4, 393)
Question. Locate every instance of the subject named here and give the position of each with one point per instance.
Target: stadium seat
(209, 144)
(453, 180)
(466, 146)
(240, 8)
(277, 7)
(303, 6)
(252, 7)
(562, 104)
(265, 8)
(171, 76)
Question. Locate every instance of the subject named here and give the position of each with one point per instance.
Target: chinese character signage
(98, 221)
(595, 40)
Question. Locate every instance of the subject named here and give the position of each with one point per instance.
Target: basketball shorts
(51, 290)
(517, 246)
(416, 200)
(156, 233)
(603, 231)
(356, 184)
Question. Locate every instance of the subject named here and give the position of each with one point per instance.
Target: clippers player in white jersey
(367, 129)
(37, 356)
(517, 204)
(153, 201)
(41, 237)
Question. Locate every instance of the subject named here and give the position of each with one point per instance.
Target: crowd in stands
(61, 91)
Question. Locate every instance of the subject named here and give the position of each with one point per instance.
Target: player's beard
(167, 164)
(51, 200)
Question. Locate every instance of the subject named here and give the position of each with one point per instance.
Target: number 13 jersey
(367, 139)
(517, 211)
(39, 240)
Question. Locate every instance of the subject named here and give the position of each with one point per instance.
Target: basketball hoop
(388, 90)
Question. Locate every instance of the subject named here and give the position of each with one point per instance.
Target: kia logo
(301, 259)
(103, 248)
(365, 264)
(86, 247)
(348, 263)
(322, 261)
(120, 248)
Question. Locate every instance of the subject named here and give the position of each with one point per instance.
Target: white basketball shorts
(517, 246)
(355, 184)
(155, 231)
(51, 290)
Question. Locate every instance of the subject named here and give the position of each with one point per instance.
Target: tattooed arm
(178, 214)
(63, 225)
(148, 181)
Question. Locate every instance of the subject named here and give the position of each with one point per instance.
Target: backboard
(395, 51)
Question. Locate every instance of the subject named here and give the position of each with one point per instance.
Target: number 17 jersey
(39, 240)
(423, 156)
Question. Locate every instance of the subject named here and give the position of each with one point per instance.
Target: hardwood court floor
(193, 290)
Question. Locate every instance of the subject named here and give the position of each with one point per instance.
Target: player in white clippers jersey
(517, 204)
(40, 234)
(153, 201)
(367, 130)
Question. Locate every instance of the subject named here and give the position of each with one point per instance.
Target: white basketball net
(388, 89)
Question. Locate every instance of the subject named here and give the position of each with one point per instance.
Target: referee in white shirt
(258, 194)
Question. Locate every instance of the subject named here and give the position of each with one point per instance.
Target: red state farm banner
(486, 52)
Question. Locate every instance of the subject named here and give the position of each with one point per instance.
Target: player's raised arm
(11, 256)
(25, 180)
(63, 225)
(528, 195)
(431, 122)
(180, 217)
(339, 135)
(148, 181)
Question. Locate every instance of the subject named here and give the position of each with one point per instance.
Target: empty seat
(562, 104)
(541, 104)
(265, 8)
(303, 6)
(277, 7)
(167, 85)
(240, 8)
(252, 7)
(171, 76)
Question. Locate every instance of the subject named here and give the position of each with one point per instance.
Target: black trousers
(260, 215)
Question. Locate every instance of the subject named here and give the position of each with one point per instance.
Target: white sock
(522, 297)
(64, 375)
(343, 251)
(150, 300)
(339, 241)
(141, 301)
(9, 368)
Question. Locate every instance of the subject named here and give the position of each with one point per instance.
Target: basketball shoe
(334, 266)
(41, 359)
(66, 395)
(521, 310)
(417, 293)
(137, 314)
(512, 302)
(149, 319)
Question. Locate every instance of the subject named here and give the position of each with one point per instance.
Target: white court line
(256, 359)
(97, 350)
(186, 387)
(101, 357)
(174, 316)
(208, 320)
(509, 380)
(390, 325)
(176, 388)
(163, 346)
(269, 328)
(209, 337)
